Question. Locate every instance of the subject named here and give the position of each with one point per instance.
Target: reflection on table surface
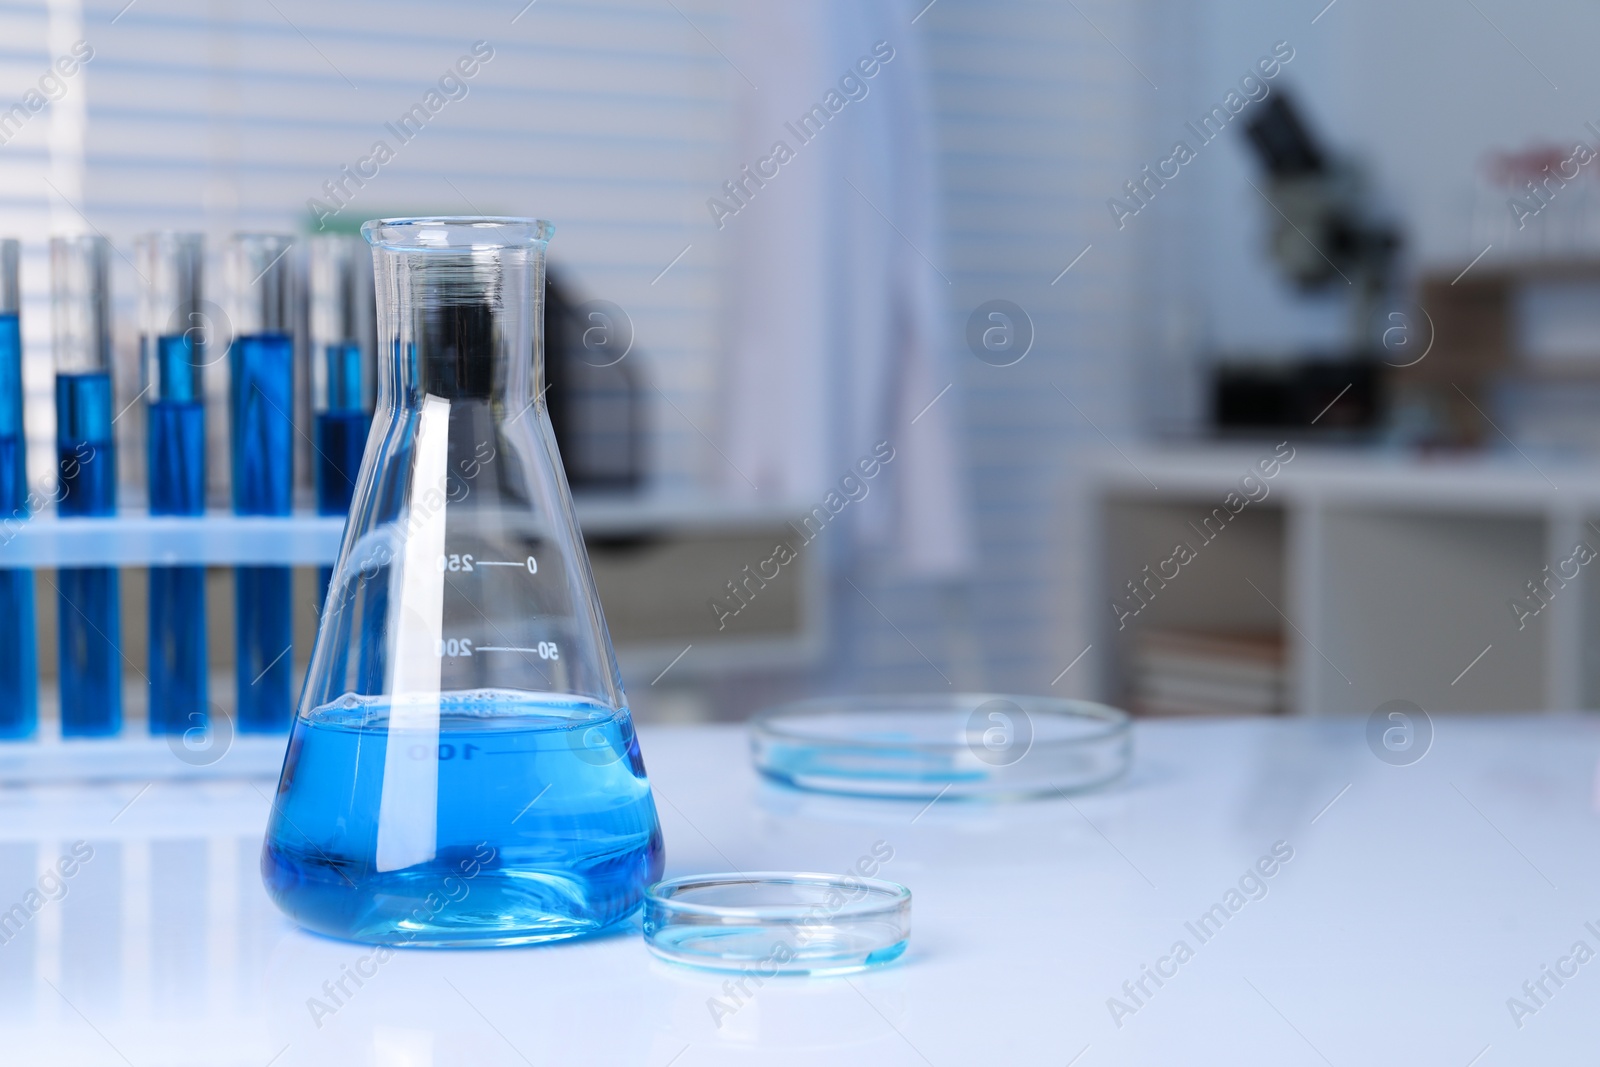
(1418, 899)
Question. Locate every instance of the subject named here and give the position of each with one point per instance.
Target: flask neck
(461, 325)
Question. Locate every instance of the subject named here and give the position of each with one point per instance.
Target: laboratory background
(1196, 404)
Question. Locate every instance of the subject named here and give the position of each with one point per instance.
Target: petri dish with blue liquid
(954, 745)
(769, 923)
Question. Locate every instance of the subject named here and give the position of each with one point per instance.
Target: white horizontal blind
(1038, 115)
(608, 118)
(615, 120)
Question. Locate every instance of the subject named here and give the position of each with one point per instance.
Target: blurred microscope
(1326, 235)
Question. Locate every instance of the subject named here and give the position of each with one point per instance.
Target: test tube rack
(134, 538)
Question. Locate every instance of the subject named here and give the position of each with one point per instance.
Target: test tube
(174, 330)
(19, 698)
(343, 381)
(261, 422)
(90, 612)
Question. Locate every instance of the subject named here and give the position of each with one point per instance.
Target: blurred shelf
(1353, 477)
(607, 514)
(1459, 582)
(660, 561)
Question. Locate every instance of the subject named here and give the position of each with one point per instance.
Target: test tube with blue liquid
(174, 328)
(90, 612)
(343, 372)
(261, 426)
(19, 699)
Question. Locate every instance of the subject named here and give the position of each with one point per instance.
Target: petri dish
(954, 745)
(768, 923)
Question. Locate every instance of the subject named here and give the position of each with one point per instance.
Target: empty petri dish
(974, 745)
(769, 923)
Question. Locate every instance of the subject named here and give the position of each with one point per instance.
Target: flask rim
(456, 233)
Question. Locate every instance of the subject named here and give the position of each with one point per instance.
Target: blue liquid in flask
(262, 394)
(19, 697)
(543, 827)
(90, 612)
(179, 699)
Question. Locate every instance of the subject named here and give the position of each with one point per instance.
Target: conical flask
(462, 768)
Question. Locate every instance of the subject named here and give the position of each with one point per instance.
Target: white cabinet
(1389, 578)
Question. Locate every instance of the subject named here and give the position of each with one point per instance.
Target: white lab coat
(836, 287)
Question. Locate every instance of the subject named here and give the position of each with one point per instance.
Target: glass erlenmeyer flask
(462, 769)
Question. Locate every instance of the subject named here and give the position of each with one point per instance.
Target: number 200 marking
(454, 646)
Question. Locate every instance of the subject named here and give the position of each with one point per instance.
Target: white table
(1418, 900)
